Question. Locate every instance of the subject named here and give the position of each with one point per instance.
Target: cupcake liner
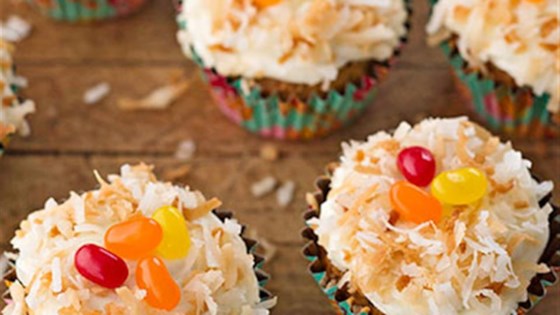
(345, 302)
(252, 247)
(294, 118)
(86, 10)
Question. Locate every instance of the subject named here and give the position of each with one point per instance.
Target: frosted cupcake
(293, 69)
(12, 109)
(439, 218)
(506, 57)
(134, 246)
(87, 10)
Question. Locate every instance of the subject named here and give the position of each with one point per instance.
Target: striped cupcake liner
(86, 10)
(327, 276)
(252, 247)
(294, 118)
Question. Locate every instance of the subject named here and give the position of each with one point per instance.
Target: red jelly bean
(100, 266)
(418, 165)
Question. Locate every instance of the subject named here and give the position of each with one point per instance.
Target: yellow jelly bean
(460, 187)
(176, 240)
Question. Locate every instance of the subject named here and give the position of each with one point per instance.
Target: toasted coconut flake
(203, 209)
(269, 152)
(176, 173)
(159, 99)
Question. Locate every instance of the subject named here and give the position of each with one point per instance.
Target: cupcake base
(350, 301)
(86, 10)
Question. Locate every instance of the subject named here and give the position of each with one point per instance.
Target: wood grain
(138, 54)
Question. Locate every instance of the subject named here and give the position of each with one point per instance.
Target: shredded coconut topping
(297, 41)
(478, 260)
(216, 277)
(521, 38)
(12, 111)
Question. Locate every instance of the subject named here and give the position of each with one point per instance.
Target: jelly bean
(135, 238)
(418, 165)
(460, 187)
(176, 241)
(414, 204)
(100, 266)
(161, 290)
(261, 4)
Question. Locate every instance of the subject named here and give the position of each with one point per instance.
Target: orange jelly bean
(135, 238)
(161, 290)
(414, 204)
(261, 4)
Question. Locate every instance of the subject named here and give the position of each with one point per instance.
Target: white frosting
(216, 277)
(477, 261)
(296, 41)
(12, 111)
(521, 38)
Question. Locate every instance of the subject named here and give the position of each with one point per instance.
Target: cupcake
(439, 218)
(506, 58)
(293, 69)
(12, 109)
(134, 246)
(86, 10)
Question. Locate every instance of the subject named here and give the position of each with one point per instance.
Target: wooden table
(136, 55)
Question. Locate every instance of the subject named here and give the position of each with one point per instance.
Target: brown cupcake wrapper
(251, 244)
(350, 301)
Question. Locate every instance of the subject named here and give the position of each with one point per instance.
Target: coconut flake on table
(15, 29)
(185, 150)
(263, 186)
(158, 99)
(285, 194)
(96, 93)
(269, 152)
